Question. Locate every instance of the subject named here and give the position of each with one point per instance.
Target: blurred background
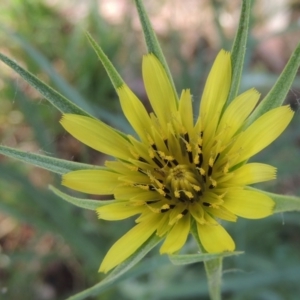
(50, 249)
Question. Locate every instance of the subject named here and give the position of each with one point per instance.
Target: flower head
(179, 169)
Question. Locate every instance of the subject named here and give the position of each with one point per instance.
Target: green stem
(213, 270)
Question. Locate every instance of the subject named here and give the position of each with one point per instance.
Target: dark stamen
(184, 197)
(166, 143)
(185, 212)
(166, 190)
(157, 162)
(200, 157)
(152, 201)
(210, 170)
(190, 154)
(168, 162)
(141, 171)
(175, 162)
(142, 159)
(154, 147)
(218, 155)
(163, 210)
(199, 193)
(206, 204)
(186, 137)
(152, 188)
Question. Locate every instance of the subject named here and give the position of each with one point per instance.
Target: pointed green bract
(283, 203)
(119, 270)
(55, 165)
(152, 42)
(83, 203)
(56, 99)
(187, 259)
(277, 94)
(113, 74)
(238, 51)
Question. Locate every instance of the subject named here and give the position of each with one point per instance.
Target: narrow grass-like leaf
(83, 203)
(29, 109)
(67, 90)
(151, 40)
(46, 66)
(119, 270)
(200, 257)
(238, 51)
(283, 203)
(113, 74)
(277, 94)
(59, 166)
(45, 211)
(56, 99)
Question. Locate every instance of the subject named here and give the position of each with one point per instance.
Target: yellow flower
(178, 170)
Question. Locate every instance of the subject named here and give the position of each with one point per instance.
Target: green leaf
(56, 99)
(238, 51)
(119, 270)
(59, 166)
(46, 66)
(113, 74)
(29, 109)
(83, 203)
(277, 94)
(69, 91)
(152, 42)
(200, 257)
(283, 203)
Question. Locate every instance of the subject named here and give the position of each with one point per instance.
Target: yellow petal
(186, 110)
(96, 135)
(236, 113)
(124, 192)
(221, 213)
(177, 236)
(98, 182)
(158, 88)
(252, 173)
(128, 244)
(118, 211)
(261, 133)
(216, 90)
(134, 111)
(214, 238)
(249, 204)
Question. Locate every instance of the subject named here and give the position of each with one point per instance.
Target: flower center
(184, 183)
